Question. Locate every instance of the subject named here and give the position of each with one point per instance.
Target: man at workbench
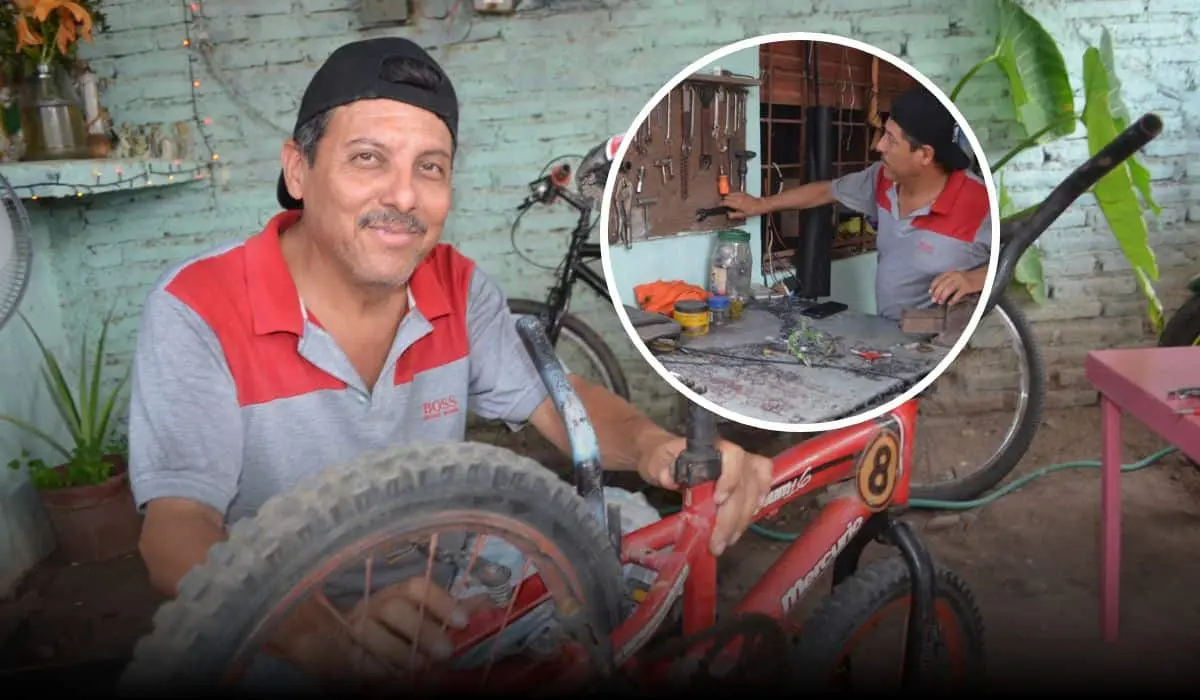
(346, 327)
(935, 230)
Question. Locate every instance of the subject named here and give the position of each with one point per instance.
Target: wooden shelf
(64, 179)
(726, 80)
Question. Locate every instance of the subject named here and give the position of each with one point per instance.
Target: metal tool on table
(871, 355)
(1189, 392)
(688, 123)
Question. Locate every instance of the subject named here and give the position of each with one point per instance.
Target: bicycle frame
(840, 531)
(579, 251)
(575, 267)
(837, 536)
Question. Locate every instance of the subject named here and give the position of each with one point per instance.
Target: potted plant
(87, 495)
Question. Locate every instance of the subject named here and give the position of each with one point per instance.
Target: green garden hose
(922, 504)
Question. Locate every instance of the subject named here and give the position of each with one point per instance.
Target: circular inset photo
(800, 228)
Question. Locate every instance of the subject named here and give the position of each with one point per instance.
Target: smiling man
(935, 231)
(345, 326)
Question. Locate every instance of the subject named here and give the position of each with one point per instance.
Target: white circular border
(932, 376)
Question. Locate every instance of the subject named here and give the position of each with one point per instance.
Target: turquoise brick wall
(556, 81)
(573, 77)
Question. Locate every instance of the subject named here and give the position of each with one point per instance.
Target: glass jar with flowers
(39, 40)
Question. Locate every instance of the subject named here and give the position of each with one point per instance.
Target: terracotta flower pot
(97, 522)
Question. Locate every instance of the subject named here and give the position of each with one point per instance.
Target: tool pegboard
(691, 142)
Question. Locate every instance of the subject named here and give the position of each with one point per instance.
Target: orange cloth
(660, 297)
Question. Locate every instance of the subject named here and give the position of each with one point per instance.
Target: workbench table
(745, 367)
(1136, 381)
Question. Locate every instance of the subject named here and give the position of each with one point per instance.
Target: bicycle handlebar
(1022, 232)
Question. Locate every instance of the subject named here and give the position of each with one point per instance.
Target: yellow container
(693, 316)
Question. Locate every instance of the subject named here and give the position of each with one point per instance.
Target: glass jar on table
(730, 269)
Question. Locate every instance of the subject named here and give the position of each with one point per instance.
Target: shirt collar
(274, 301)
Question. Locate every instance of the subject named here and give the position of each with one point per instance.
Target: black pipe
(814, 256)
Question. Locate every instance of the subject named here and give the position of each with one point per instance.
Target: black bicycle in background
(577, 344)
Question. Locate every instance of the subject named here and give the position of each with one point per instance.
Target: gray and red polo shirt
(238, 392)
(954, 232)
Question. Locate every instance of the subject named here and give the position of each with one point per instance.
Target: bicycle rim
(1026, 414)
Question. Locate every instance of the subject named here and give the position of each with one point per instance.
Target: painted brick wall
(556, 81)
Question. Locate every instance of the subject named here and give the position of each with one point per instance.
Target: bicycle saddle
(592, 173)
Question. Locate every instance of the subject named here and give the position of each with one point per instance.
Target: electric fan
(16, 252)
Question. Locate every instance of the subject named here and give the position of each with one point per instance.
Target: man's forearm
(814, 194)
(623, 432)
(174, 543)
(171, 548)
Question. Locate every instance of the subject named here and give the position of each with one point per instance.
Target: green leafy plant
(1044, 103)
(88, 417)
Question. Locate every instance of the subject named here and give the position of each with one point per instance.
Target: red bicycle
(591, 605)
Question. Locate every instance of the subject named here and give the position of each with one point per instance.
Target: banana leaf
(1114, 192)
(1037, 74)
(1137, 171)
(1028, 272)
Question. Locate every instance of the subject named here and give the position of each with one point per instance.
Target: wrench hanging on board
(688, 121)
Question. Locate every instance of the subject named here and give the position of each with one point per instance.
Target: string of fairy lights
(150, 172)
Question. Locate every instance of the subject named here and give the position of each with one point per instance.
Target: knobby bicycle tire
(196, 635)
(858, 600)
(1001, 464)
(581, 333)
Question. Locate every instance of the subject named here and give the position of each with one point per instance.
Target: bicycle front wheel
(228, 608)
(975, 396)
(580, 348)
(837, 628)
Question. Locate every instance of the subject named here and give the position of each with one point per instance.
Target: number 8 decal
(878, 468)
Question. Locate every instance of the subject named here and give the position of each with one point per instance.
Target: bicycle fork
(921, 633)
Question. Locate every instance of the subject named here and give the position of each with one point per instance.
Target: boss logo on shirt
(438, 408)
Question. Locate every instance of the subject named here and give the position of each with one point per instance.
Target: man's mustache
(391, 217)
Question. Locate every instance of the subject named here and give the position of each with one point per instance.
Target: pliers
(1191, 392)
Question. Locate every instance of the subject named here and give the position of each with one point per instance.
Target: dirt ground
(1031, 559)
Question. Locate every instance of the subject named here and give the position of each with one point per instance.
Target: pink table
(1136, 381)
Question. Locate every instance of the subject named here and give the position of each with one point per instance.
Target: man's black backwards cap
(923, 117)
(368, 70)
